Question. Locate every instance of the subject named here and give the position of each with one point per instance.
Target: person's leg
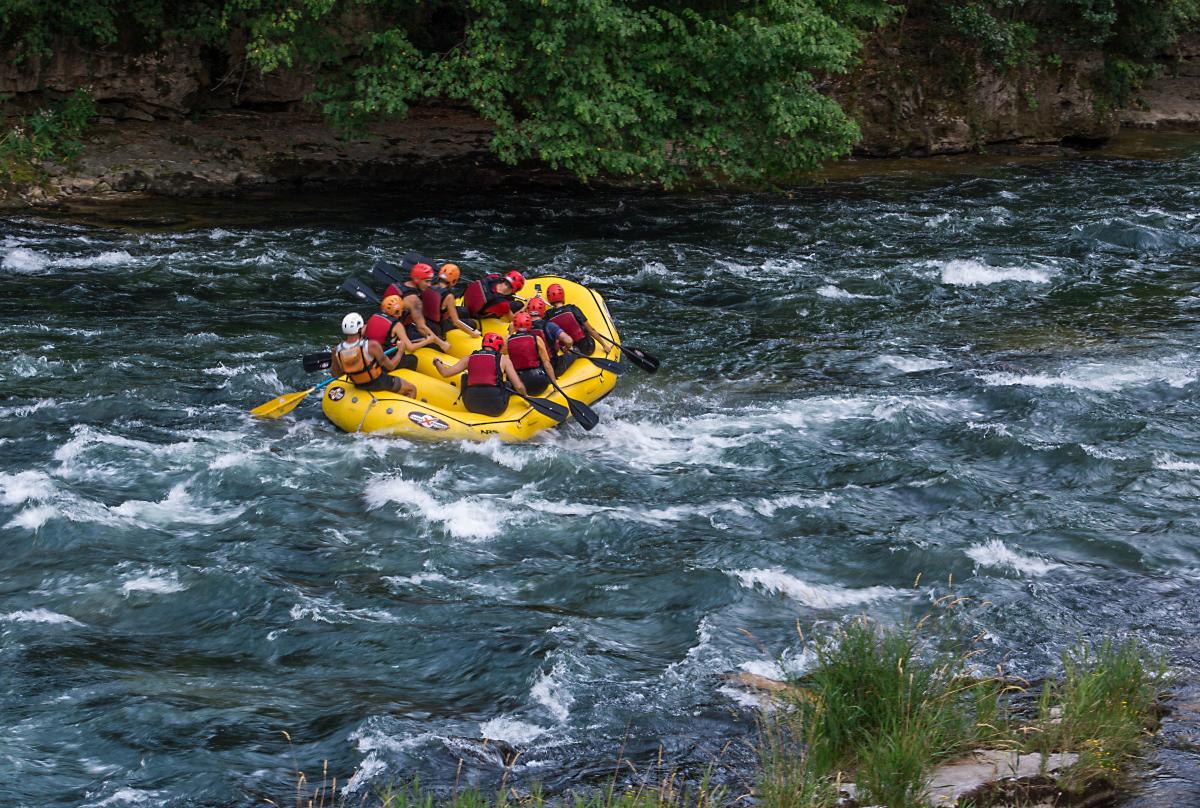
(408, 362)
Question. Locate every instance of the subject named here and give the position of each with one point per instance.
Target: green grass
(50, 135)
(881, 708)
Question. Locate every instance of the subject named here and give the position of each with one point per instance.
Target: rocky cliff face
(185, 120)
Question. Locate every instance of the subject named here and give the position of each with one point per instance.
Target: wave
(24, 261)
(973, 273)
(472, 517)
(995, 553)
(1099, 376)
(510, 730)
(819, 596)
(1166, 462)
(550, 691)
(39, 616)
(156, 582)
(836, 293)
(911, 364)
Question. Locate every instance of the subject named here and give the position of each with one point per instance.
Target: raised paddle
(584, 415)
(387, 273)
(601, 362)
(548, 408)
(359, 290)
(316, 361)
(637, 356)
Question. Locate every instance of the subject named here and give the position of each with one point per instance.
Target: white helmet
(352, 323)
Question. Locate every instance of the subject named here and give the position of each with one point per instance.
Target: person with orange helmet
(385, 327)
(569, 318)
(412, 293)
(494, 295)
(529, 355)
(558, 342)
(483, 389)
(451, 314)
(364, 362)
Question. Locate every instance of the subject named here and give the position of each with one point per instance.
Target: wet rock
(951, 783)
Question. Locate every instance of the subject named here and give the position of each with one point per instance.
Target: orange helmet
(493, 342)
(536, 306)
(421, 272)
(392, 305)
(449, 273)
(515, 278)
(555, 293)
(522, 322)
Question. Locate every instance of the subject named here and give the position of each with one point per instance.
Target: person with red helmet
(364, 362)
(451, 314)
(558, 342)
(484, 390)
(413, 317)
(494, 295)
(384, 327)
(569, 318)
(528, 353)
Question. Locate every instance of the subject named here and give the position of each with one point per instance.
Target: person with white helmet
(364, 362)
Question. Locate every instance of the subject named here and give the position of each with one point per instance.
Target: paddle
(584, 415)
(316, 361)
(637, 356)
(387, 273)
(602, 363)
(548, 408)
(281, 406)
(360, 291)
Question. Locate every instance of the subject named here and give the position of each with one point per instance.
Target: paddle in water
(584, 415)
(646, 361)
(602, 363)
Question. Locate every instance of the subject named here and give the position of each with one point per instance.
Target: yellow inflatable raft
(437, 412)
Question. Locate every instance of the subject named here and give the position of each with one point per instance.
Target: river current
(985, 380)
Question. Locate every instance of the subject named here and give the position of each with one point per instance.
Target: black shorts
(535, 380)
(485, 400)
(407, 362)
(587, 345)
(386, 382)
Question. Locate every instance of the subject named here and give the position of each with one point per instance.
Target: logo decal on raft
(336, 393)
(428, 421)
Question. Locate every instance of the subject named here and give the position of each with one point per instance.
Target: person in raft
(528, 354)
(412, 293)
(450, 314)
(483, 390)
(385, 327)
(363, 361)
(569, 318)
(494, 295)
(558, 343)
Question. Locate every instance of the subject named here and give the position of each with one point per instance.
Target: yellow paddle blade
(281, 406)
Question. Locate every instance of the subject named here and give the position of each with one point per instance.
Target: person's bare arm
(510, 373)
(380, 356)
(449, 370)
(545, 357)
(450, 309)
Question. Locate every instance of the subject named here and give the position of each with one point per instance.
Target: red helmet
(421, 272)
(522, 322)
(515, 278)
(555, 293)
(493, 342)
(536, 306)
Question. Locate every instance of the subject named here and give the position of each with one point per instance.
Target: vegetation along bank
(223, 96)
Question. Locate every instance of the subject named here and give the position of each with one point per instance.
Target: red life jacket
(392, 289)
(483, 369)
(379, 328)
(482, 299)
(431, 305)
(522, 349)
(567, 321)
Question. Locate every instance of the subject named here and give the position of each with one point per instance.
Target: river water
(986, 379)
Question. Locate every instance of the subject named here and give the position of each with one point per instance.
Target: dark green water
(988, 377)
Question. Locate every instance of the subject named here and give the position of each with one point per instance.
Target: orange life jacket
(357, 362)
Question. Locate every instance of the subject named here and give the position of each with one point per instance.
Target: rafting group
(433, 362)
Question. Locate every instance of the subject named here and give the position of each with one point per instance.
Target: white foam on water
(769, 507)
(995, 553)
(109, 258)
(1100, 453)
(510, 730)
(973, 273)
(125, 796)
(820, 596)
(415, 580)
(1166, 462)
(745, 698)
(550, 691)
(24, 260)
(178, 507)
(39, 616)
(154, 581)
(837, 293)
(1100, 376)
(323, 610)
(911, 364)
(228, 372)
(201, 337)
(510, 456)
(467, 518)
(25, 485)
(219, 234)
(33, 518)
(767, 668)
(24, 410)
